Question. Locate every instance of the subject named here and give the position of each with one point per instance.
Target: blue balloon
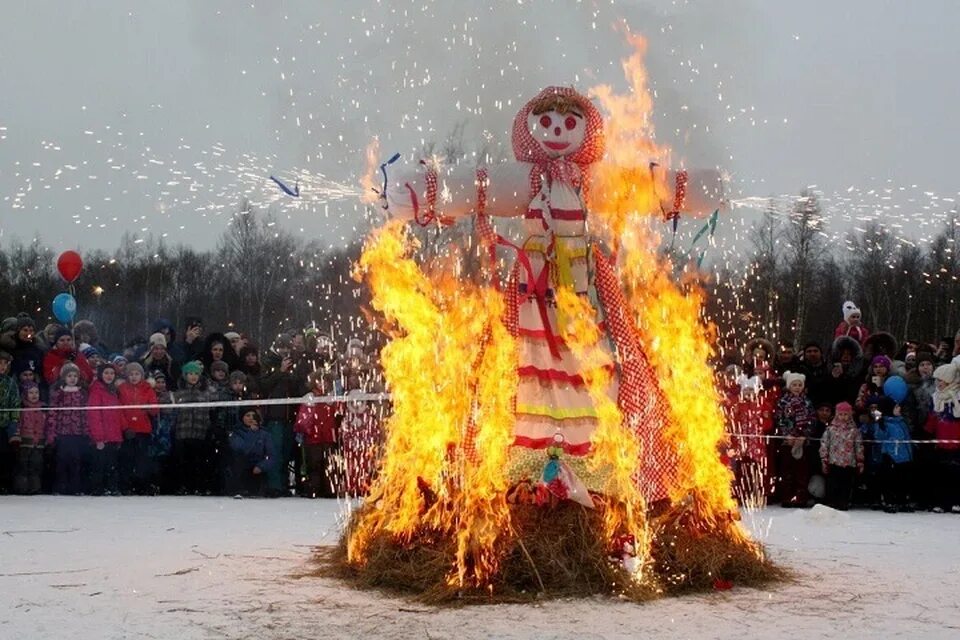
(65, 307)
(895, 388)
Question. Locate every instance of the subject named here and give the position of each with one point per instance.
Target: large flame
(451, 368)
(624, 185)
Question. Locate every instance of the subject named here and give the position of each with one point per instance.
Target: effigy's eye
(545, 121)
(570, 123)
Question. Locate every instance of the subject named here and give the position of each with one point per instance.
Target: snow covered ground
(106, 568)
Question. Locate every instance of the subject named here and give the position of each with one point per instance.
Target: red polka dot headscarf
(527, 149)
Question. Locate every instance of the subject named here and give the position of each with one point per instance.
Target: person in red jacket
(316, 427)
(943, 421)
(852, 324)
(64, 350)
(135, 468)
(106, 431)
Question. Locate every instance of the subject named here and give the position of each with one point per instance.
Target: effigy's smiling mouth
(556, 146)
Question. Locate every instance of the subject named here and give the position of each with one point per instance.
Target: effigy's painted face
(559, 134)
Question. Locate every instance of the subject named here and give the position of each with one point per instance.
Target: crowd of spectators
(80, 418)
(815, 424)
(863, 420)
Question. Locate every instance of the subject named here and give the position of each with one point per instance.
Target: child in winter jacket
(106, 432)
(943, 421)
(28, 478)
(9, 402)
(751, 416)
(852, 324)
(893, 435)
(191, 446)
(794, 419)
(316, 426)
(67, 429)
(841, 451)
(161, 441)
(220, 426)
(253, 455)
(136, 474)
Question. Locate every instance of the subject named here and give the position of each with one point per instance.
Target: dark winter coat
(255, 446)
(28, 356)
(845, 388)
(818, 381)
(192, 424)
(279, 384)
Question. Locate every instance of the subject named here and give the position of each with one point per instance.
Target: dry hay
(554, 552)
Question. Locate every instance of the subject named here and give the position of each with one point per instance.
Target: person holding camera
(191, 347)
(279, 381)
(63, 351)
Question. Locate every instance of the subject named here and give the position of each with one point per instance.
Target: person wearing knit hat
(222, 420)
(192, 367)
(944, 423)
(135, 470)
(252, 455)
(31, 436)
(68, 428)
(841, 453)
(192, 450)
(106, 432)
(877, 374)
(235, 340)
(794, 419)
(158, 357)
(852, 324)
(220, 367)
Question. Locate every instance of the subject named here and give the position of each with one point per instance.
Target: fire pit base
(557, 552)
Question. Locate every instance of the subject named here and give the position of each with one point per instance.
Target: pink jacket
(105, 426)
(33, 424)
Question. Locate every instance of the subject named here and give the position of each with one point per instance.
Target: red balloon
(69, 264)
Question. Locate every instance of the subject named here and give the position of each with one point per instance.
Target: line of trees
(796, 278)
(260, 279)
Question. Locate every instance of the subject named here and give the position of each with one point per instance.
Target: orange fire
(451, 370)
(451, 364)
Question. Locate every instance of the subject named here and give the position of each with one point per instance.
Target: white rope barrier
(217, 404)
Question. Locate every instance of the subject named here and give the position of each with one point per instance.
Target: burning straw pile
(438, 525)
(557, 552)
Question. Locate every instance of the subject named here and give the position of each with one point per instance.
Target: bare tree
(805, 249)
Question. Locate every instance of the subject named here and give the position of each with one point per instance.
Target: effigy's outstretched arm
(696, 192)
(425, 194)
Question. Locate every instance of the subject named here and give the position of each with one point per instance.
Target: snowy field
(102, 568)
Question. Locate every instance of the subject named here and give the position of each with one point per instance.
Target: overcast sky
(158, 117)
